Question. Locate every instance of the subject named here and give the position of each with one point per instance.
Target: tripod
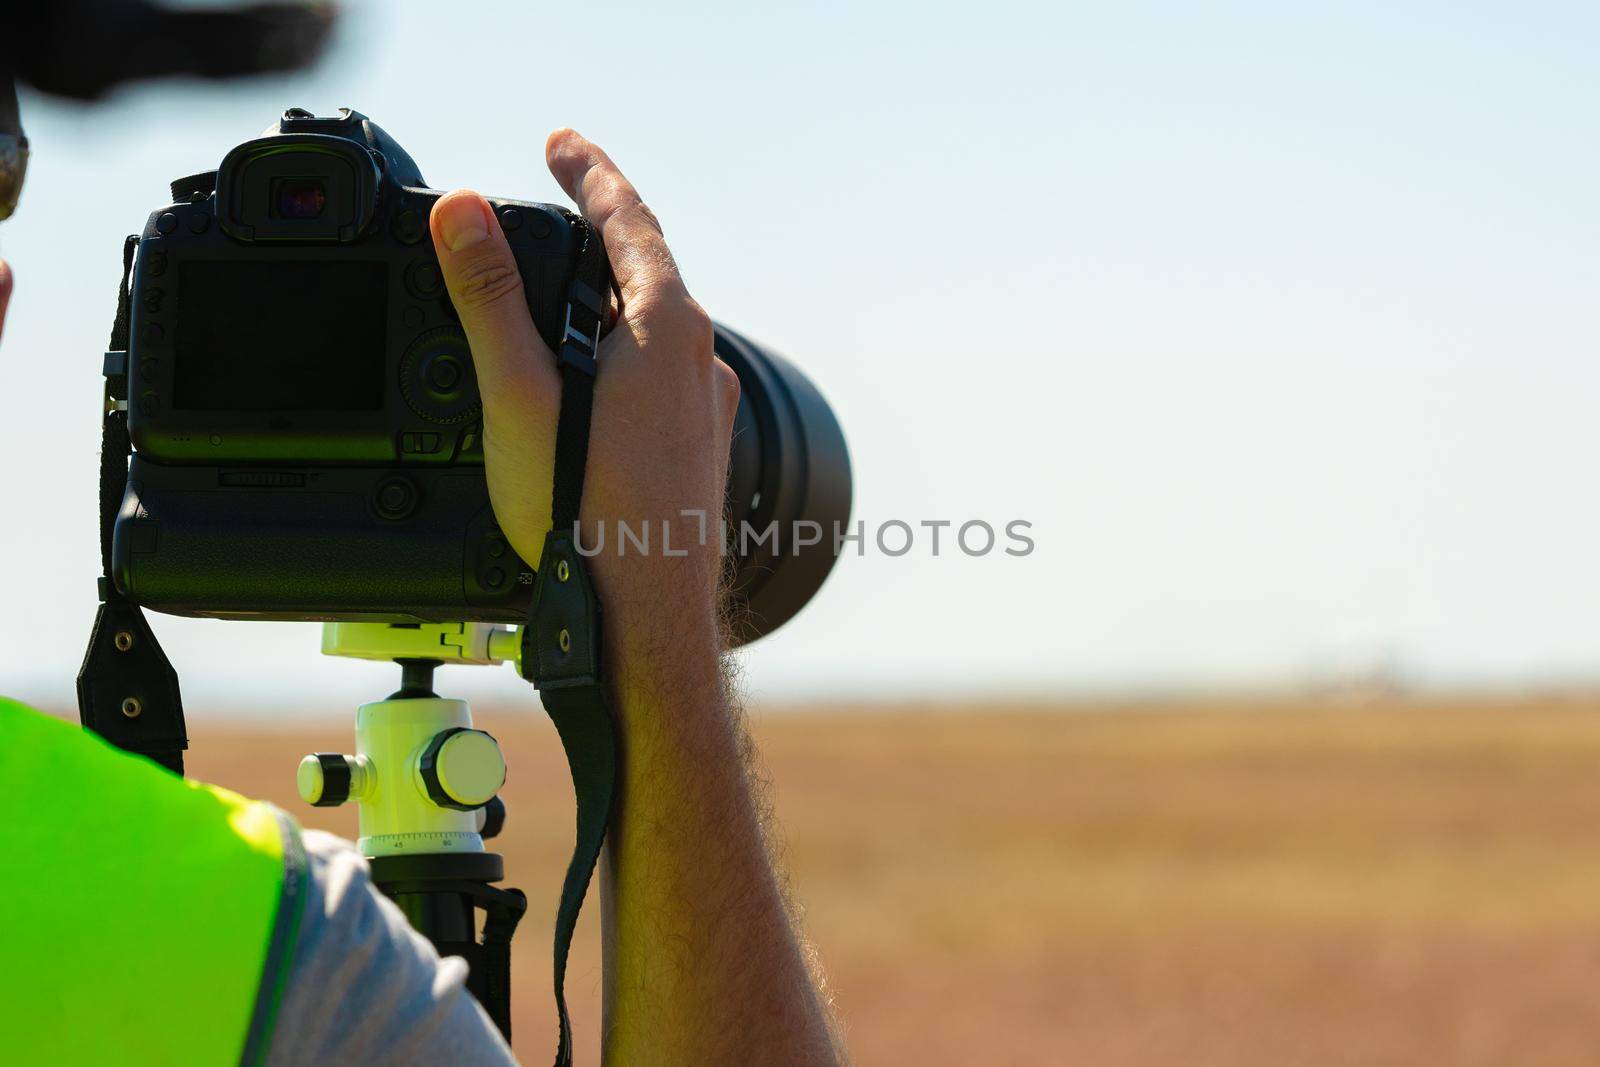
(425, 784)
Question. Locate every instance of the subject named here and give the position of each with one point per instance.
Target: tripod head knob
(328, 779)
(494, 818)
(462, 768)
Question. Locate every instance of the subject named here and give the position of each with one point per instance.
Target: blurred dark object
(13, 150)
(81, 48)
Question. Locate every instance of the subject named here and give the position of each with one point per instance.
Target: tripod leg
(443, 909)
(494, 992)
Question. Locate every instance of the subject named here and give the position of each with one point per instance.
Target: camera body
(305, 420)
(301, 400)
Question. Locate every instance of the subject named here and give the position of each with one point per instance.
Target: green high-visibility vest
(144, 919)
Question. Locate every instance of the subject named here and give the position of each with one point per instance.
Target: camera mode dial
(437, 378)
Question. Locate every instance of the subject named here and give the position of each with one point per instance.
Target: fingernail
(461, 222)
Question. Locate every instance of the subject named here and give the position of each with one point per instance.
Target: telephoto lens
(789, 488)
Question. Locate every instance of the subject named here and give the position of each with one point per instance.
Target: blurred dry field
(1409, 882)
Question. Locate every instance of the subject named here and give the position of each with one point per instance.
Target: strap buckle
(569, 355)
(580, 295)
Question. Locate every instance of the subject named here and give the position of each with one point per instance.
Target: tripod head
(425, 783)
(424, 779)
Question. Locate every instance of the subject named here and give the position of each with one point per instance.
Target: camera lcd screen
(280, 336)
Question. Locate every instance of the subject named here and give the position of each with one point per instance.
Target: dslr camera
(306, 425)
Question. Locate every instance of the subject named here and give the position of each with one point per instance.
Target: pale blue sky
(1277, 321)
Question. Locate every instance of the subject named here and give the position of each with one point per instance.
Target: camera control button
(437, 378)
(408, 226)
(412, 443)
(156, 264)
(510, 219)
(199, 222)
(166, 222)
(394, 499)
(444, 373)
(152, 334)
(412, 317)
(424, 279)
(540, 226)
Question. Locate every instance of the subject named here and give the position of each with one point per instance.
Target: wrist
(665, 664)
(673, 652)
(658, 613)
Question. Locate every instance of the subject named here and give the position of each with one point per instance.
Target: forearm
(702, 963)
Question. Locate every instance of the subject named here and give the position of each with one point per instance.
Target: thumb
(516, 372)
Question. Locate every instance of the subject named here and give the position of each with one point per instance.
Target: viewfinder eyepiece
(298, 198)
(299, 188)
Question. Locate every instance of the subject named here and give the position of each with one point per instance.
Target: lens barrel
(789, 488)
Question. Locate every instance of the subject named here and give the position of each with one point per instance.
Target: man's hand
(701, 962)
(663, 408)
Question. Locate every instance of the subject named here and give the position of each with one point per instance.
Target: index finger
(640, 260)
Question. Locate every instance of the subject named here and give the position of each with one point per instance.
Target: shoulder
(364, 987)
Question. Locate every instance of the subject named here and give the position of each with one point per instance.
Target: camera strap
(561, 645)
(127, 689)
